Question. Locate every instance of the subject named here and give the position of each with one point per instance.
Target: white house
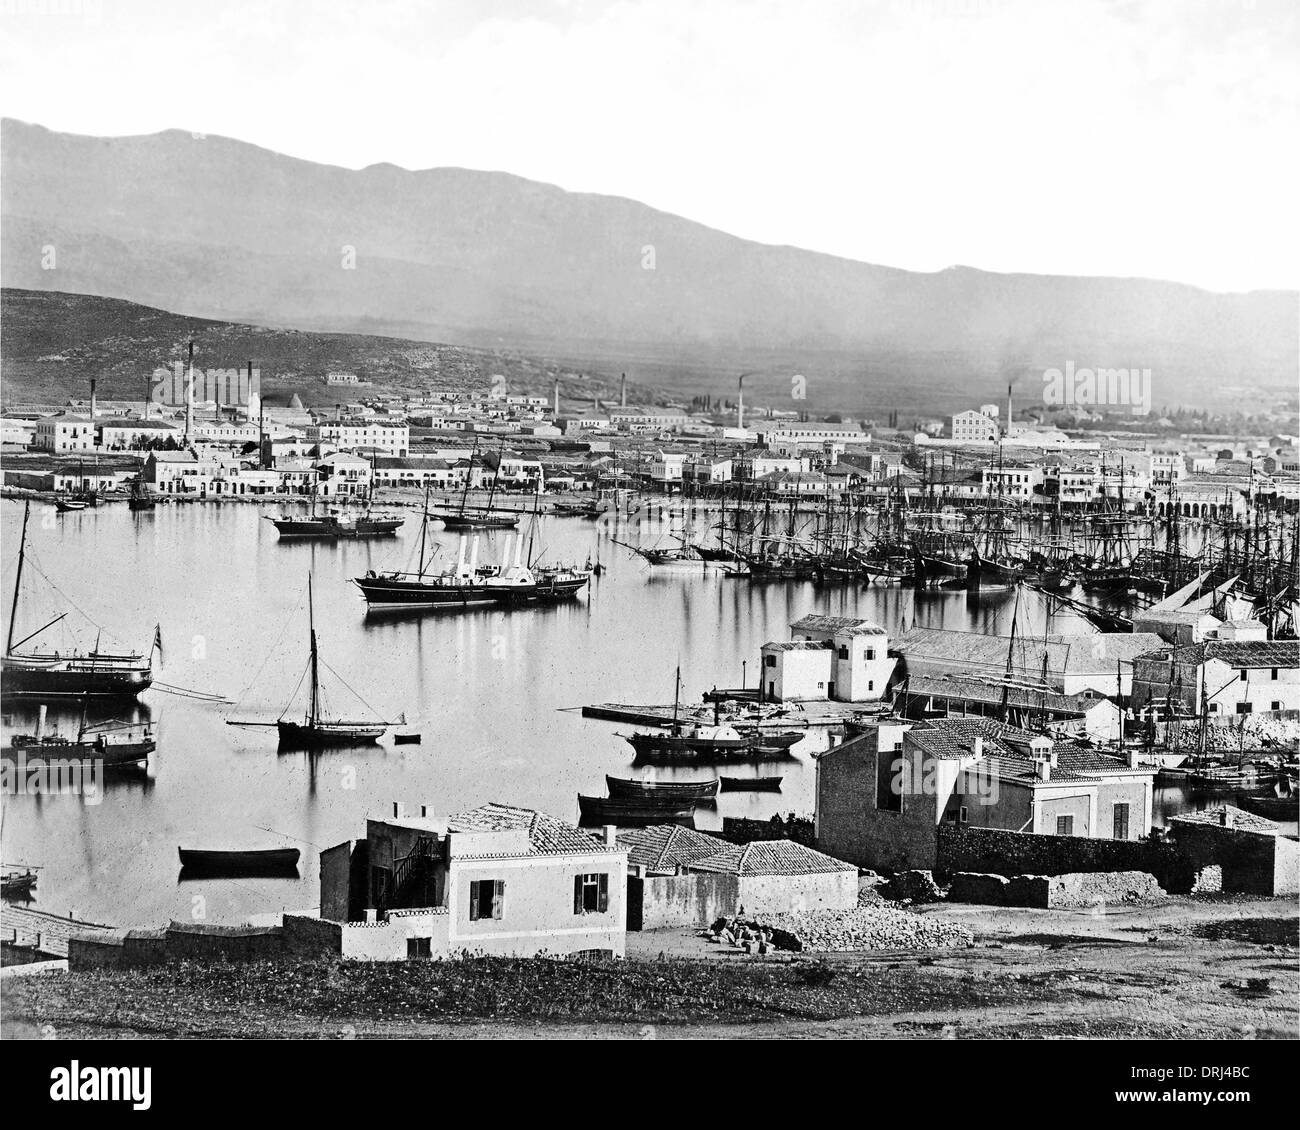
(827, 657)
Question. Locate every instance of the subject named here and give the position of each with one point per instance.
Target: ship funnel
(40, 723)
(460, 555)
(473, 555)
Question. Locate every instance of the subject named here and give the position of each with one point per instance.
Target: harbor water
(494, 694)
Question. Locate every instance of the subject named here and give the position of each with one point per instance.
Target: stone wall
(1024, 853)
(305, 936)
(739, 830)
(1085, 889)
(657, 902)
(1249, 862)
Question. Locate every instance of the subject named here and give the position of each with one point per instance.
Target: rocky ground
(1221, 968)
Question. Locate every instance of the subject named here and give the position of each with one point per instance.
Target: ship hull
(305, 528)
(388, 593)
(296, 735)
(21, 677)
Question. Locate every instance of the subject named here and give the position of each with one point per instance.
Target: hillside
(54, 343)
(221, 229)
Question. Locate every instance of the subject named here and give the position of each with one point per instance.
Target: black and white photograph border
(610, 519)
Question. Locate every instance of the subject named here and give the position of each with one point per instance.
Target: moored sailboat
(56, 674)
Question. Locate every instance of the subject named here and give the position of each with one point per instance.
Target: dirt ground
(1219, 968)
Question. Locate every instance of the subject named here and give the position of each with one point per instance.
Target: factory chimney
(189, 396)
(93, 403)
(1006, 424)
(556, 411)
(740, 403)
(622, 392)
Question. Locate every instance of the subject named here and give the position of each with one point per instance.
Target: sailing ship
(67, 674)
(317, 729)
(720, 741)
(467, 517)
(516, 581)
(140, 498)
(114, 743)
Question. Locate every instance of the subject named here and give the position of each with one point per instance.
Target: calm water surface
(495, 694)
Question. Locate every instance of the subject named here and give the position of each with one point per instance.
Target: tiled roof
(799, 645)
(1239, 818)
(1005, 750)
(1235, 653)
(814, 622)
(770, 857)
(1068, 655)
(546, 834)
(665, 847)
(981, 690)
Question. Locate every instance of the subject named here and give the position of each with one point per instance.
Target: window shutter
(577, 894)
(473, 902)
(604, 894)
(500, 891)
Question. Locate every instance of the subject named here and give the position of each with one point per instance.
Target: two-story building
(495, 880)
(827, 657)
(1220, 676)
(882, 796)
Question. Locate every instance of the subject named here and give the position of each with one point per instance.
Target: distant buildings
(975, 427)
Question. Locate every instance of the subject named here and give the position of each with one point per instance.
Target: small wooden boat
(66, 505)
(1285, 809)
(406, 739)
(18, 884)
(257, 862)
(631, 813)
(621, 788)
(750, 784)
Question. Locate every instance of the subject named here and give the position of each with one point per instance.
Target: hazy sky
(1055, 136)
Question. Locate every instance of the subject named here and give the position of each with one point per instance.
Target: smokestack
(1006, 426)
(622, 392)
(740, 403)
(556, 412)
(93, 403)
(189, 396)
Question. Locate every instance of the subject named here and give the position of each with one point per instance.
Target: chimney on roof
(610, 834)
(977, 746)
(1042, 768)
(1226, 817)
(372, 916)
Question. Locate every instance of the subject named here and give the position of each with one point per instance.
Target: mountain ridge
(222, 228)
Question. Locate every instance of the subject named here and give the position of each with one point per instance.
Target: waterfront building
(881, 797)
(827, 658)
(1221, 676)
(1101, 663)
(62, 434)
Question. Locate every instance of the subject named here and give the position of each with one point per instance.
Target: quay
(41, 931)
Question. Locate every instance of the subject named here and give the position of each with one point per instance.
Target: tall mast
(314, 709)
(677, 693)
(1011, 649)
(469, 477)
(424, 522)
(18, 580)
